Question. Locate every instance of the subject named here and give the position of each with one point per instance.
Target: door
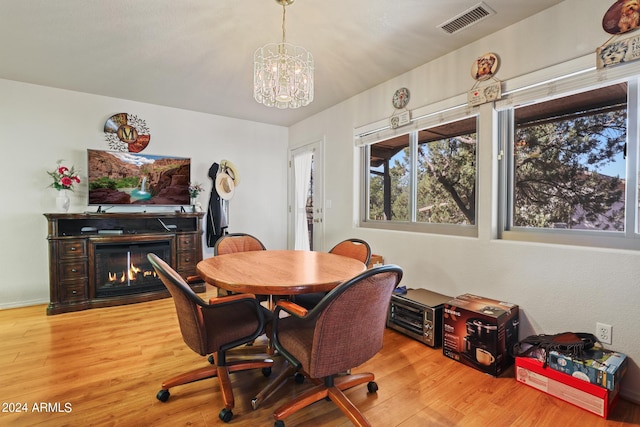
(306, 198)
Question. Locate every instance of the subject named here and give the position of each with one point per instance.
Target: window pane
(447, 173)
(389, 179)
(569, 161)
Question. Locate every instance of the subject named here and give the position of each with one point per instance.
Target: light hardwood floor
(103, 367)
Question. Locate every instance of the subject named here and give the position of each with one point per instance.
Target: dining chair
(352, 248)
(213, 328)
(237, 242)
(344, 330)
(227, 244)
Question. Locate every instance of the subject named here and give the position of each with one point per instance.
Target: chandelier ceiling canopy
(282, 72)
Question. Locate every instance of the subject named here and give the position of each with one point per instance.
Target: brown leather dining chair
(342, 332)
(352, 248)
(212, 329)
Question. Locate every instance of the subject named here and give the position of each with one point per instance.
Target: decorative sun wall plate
(126, 132)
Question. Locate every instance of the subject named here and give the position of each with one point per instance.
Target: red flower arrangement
(63, 177)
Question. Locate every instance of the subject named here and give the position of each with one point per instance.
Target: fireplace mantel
(72, 238)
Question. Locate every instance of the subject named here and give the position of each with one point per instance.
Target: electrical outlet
(603, 332)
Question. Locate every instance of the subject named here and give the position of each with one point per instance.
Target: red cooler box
(479, 332)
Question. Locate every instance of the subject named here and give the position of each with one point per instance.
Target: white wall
(39, 125)
(558, 288)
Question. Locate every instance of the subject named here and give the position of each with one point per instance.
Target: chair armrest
(262, 315)
(295, 311)
(292, 308)
(194, 279)
(230, 298)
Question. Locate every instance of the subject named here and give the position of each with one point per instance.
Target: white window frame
(580, 81)
(441, 113)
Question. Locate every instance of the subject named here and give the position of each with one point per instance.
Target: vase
(63, 201)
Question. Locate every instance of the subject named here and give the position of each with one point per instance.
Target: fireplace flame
(130, 275)
(133, 272)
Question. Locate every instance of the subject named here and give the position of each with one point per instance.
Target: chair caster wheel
(266, 371)
(299, 378)
(372, 386)
(163, 395)
(278, 423)
(226, 415)
(211, 360)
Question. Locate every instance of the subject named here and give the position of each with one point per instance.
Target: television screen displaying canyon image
(123, 178)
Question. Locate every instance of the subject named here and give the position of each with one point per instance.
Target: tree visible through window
(444, 177)
(447, 180)
(569, 161)
(389, 180)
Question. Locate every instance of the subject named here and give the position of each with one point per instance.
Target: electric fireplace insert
(123, 268)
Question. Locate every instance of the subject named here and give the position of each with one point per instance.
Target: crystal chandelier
(282, 72)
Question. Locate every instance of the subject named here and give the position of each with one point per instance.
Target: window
(424, 179)
(389, 180)
(447, 173)
(568, 169)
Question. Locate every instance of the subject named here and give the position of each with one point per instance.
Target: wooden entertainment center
(74, 239)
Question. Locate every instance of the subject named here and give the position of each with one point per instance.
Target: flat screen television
(123, 178)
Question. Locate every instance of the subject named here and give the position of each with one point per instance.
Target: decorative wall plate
(621, 17)
(126, 132)
(485, 67)
(401, 98)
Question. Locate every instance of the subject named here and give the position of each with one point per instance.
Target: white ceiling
(198, 54)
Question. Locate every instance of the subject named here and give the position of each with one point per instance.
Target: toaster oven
(418, 314)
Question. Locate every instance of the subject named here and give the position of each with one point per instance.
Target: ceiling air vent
(467, 18)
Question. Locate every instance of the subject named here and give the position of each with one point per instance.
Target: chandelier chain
(284, 30)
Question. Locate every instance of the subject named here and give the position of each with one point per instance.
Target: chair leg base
(272, 387)
(222, 372)
(335, 393)
(211, 371)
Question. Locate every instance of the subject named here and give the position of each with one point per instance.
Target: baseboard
(17, 304)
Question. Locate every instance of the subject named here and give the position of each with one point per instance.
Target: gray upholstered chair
(342, 332)
(212, 329)
(352, 248)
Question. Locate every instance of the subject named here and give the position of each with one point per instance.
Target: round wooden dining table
(278, 272)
